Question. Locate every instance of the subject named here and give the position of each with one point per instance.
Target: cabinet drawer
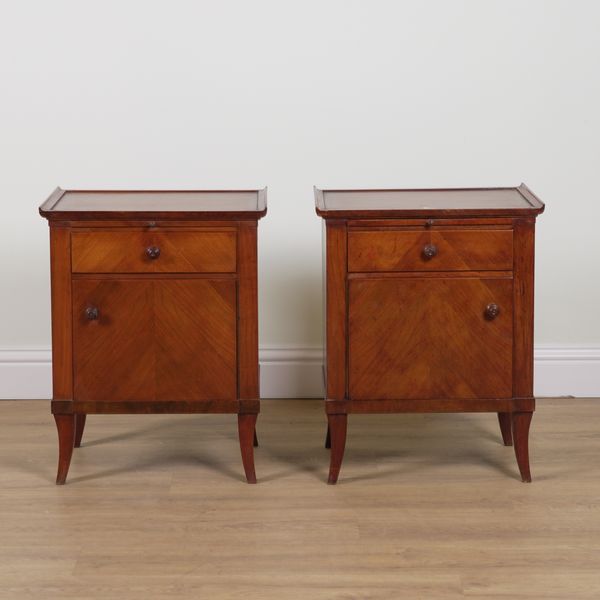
(443, 250)
(134, 251)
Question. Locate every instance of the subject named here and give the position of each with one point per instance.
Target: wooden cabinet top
(455, 202)
(155, 204)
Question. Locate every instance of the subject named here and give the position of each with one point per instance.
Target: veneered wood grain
(165, 337)
(62, 351)
(163, 340)
(156, 407)
(336, 311)
(429, 338)
(430, 405)
(418, 203)
(180, 251)
(457, 250)
(432, 222)
(155, 204)
(248, 381)
(421, 337)
(524, 259)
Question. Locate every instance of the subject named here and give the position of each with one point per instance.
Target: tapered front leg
(337, 431)
(505, 421)
(520, 430)
(328, 438)
(66, 439)
(79, 427)
(246, 429)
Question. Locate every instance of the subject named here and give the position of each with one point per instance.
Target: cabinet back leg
(520, 430)
(79, 427)
(246, 429)
(65, 425)
(328, 438)
(505, 421)
(255, 439)
(337, 430)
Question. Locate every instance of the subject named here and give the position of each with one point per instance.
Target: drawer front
(135, 251)
(154, 339)
(421, 338)
(444, 250)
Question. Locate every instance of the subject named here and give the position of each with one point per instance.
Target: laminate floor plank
(427, 506)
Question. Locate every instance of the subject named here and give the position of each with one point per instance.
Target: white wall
(291, 94)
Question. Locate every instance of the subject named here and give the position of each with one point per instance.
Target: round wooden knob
(91, 313)
(153, 252)
(430, 250)
(492, 311)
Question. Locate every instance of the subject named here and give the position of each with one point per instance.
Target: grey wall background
(291, 94)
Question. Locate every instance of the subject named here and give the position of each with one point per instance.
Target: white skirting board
(288, 372)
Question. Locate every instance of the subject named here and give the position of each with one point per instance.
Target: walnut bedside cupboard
(154, 307)
(429, 306)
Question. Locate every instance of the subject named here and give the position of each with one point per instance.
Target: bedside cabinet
(429, 306)
(154, 307)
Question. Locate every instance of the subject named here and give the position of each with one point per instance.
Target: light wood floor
(428, 506)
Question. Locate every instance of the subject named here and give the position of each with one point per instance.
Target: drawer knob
(91, 313)
(492, 311)
(153, 252)
(430, 250)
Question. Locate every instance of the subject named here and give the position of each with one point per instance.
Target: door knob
(153, 252)
(492, 311)
(92, 313)
(430, 250)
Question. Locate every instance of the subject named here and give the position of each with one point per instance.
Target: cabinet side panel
(336, 310)
(62, 352)
(248, 385)
(524, 257)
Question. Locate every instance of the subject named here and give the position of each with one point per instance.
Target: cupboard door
(430, 338)
(154, 339)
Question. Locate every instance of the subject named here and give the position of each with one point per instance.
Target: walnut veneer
(429, 306)
(154, 307)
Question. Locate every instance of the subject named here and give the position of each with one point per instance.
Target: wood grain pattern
(336, 429)
(155, 340)
(154, 306)
(505, 422)
(524, 258)
(180, 251)
(62, 350)
(429, 338)
(65, 425)
(205, 205)
(248, 382)
(438, 315)
(336, 314)
(79, 428)
(457, 250)
(419, 203)
(521, 422)
(427, 506)
(246, 431)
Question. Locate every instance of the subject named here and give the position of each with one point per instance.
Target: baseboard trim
(296, 372)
